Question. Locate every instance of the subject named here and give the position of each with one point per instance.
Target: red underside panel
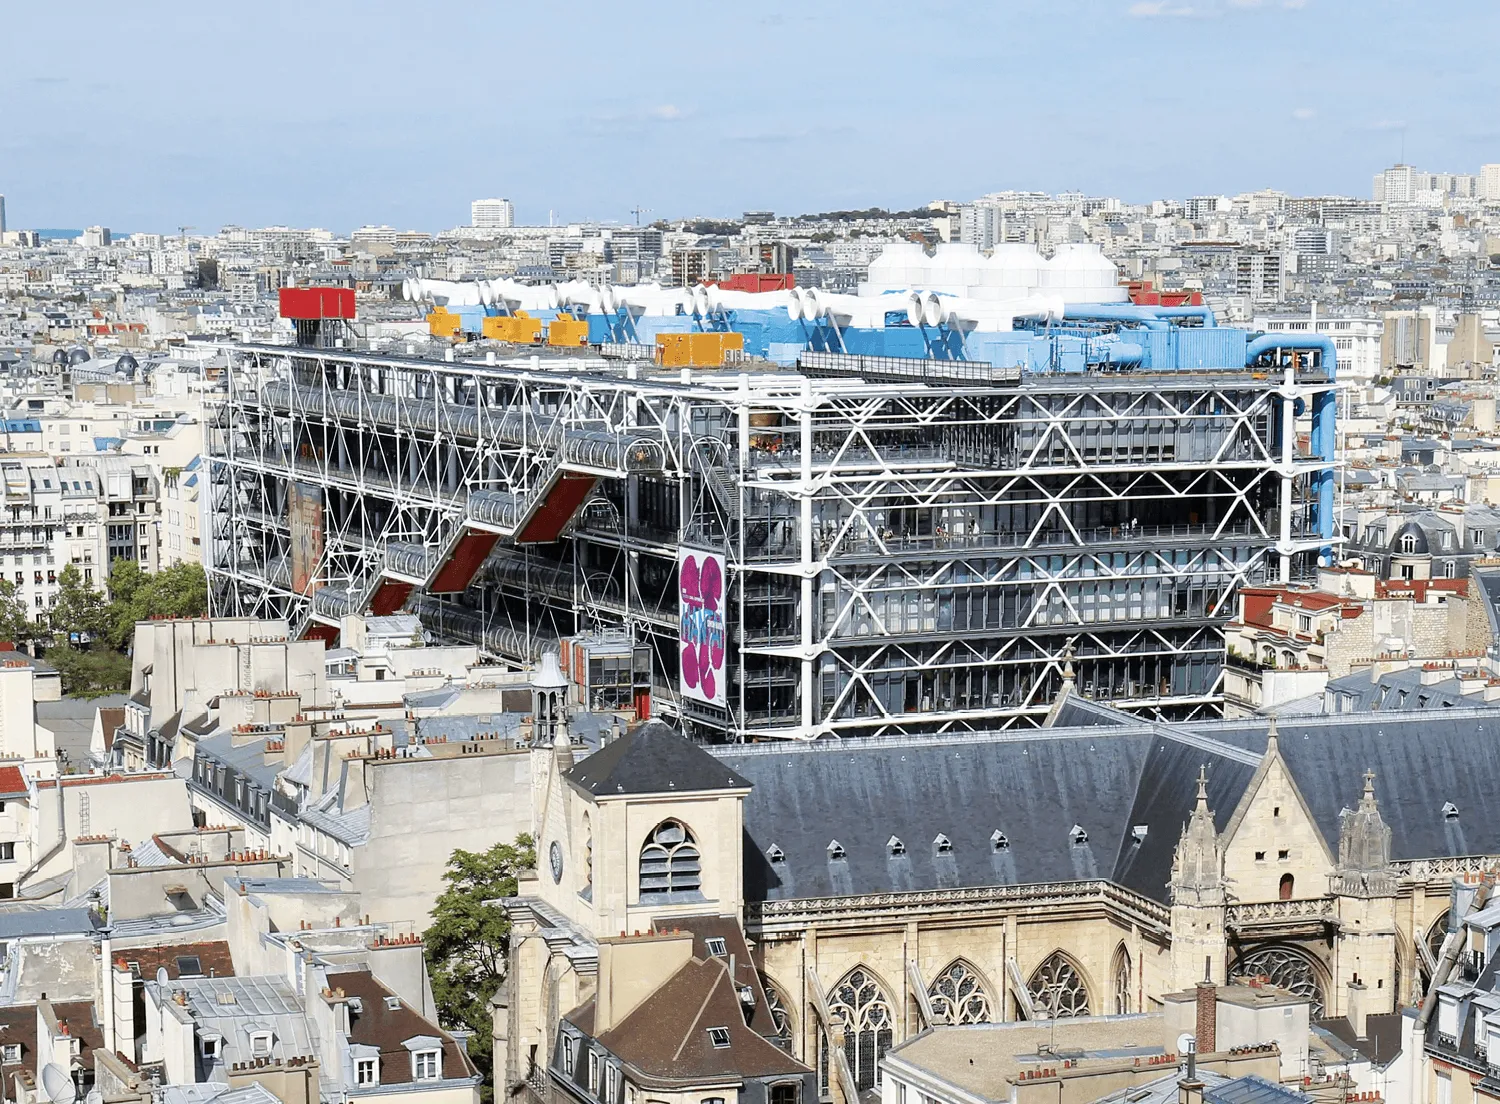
(316, 630)
(469, 554)
(389, 597)
(557, 509)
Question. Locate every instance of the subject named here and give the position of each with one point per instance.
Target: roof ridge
(947, 739)
(707, 996)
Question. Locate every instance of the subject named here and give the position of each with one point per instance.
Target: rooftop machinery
(861, 545)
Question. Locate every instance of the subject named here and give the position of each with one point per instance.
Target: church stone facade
(1084, 869)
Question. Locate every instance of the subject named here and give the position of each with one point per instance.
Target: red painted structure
(758, 281)
(464, 562)
(562, 500)
(1144, 294)
(311, 303)
(390, 596)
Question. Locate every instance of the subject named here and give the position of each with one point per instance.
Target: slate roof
(1401, 691)
(652, 759)
(386, 1029)
(1032, 786)
(17, 923)
(1422, 761)
(665, 1037)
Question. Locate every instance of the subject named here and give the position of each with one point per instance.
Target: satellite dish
(1187, 1043)
(161, 975)
(58, 1085)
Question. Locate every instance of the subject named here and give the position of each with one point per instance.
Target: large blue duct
(1324, 413)
(1115, 312)
(1203, 312)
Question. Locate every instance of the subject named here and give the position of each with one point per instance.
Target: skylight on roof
(716, 946)
(189, 965)
(719, 1037)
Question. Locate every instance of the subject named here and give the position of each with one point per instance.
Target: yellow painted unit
(565, 330)
(696, 350)
(519, 329)
(442, 323)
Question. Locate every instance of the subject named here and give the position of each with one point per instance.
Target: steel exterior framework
(902, 557)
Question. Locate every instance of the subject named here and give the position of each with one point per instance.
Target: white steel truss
(901, 557)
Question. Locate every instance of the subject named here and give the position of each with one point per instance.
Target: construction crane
(638, 211)
(182, 234)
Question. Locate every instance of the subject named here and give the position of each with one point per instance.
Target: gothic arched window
(588, 854)
(859, 1006)
(1288, 969)
(1057, 989)
(1121, 973)
(958, 996)
(781, 1017)
(669, 861)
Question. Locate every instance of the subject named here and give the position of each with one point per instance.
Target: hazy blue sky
(319, 112)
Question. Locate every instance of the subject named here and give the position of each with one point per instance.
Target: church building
(841, 897)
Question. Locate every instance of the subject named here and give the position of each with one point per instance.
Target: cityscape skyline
(1316, 121)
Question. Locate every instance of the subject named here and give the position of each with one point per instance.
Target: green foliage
(467, 944)
(16, 624)
(92, 673)
(79, 608)
(177, 591)
(99, 664)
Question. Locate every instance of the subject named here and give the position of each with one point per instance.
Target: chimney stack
(1357, 1007)
(1206, 1029)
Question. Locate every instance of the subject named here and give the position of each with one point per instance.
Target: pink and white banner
(700, 603)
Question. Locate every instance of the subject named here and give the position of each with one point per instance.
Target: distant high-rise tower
(2, 214)
(492, 214)
(1489, 187)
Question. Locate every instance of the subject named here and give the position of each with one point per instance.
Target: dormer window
(260, 1044)
(1138, 834)
(210, 1046)
(999, 841)
(367, 1071)
(1408, 544)
(942, 845)
(895, 847)
(393, 1004)
(775, 854)
(426, 1065)
(835, 851)
(1450, 811)
(1078, 836)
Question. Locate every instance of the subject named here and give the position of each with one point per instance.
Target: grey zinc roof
(1401, 691)
(1488, 580)
(652, 759)
(1034, 787)
(1423, 760)
(249, 758)
(238, 1006)
(1252, 1090)
(18, 922)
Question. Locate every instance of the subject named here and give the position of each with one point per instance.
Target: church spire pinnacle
(1203, 785)
(1273, 737)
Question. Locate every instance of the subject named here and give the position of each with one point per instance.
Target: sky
(337, 113)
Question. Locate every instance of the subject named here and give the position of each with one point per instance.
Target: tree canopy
(88, 635)
(467, 944)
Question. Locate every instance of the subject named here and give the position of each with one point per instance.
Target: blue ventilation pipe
(1324, 413)
(1204, 312)
(1115, 312)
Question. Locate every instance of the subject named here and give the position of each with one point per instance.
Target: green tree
(467, 944)
(16, 624)
(79, 608)
(135, 595)
(89, 674)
